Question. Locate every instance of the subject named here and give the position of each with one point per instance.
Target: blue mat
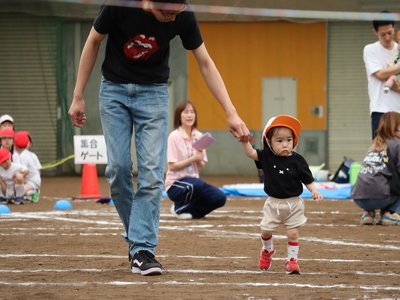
(329, 190)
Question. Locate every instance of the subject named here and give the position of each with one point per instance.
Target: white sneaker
(182, 216)
(368, 217)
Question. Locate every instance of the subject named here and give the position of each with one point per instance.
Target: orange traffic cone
(90, 183)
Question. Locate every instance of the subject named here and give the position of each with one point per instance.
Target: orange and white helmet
(283, 121)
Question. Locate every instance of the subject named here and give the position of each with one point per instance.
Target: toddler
(23, 156)
(12, 178)
(285, 172)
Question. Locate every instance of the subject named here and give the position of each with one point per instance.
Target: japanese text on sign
(90, 149)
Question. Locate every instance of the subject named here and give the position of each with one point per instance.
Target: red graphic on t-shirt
(140, 47)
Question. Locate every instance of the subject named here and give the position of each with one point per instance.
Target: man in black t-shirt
(133, 96)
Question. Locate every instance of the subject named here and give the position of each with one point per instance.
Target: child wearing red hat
(285, 172)
(23, 156)
(12, 178)
(7, 138)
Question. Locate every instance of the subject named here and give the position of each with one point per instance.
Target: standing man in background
(134, 98)
(378, 59)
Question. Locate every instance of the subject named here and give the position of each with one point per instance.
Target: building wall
(245, 53)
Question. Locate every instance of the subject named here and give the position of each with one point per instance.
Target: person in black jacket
(372, 190)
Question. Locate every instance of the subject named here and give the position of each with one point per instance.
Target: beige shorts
(288, 212)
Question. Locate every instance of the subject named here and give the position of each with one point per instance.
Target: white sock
(19, 190)
(293, 250)
(267, 244)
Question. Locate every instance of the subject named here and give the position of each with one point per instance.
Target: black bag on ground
(342, 175)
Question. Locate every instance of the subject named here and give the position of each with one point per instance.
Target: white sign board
(90, 149)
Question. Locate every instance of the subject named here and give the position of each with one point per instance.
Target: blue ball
(63, 204)
(4, 209)
(111, 203)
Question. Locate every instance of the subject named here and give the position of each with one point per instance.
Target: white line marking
(226, 272)
(197, 283)
(201, 257)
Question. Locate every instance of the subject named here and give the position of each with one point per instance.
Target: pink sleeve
(172, 150)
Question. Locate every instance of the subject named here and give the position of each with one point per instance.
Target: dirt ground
(79, 253)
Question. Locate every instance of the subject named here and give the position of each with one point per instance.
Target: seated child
(7, 138)
(23, 156)
(12, 178)
(6, 121)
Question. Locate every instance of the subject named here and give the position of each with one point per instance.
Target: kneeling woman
(193, 198)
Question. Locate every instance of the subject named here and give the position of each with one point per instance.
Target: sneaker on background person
(390, 219)
(144, 263)
(379, 217)
(265, 259)
(181, 216)
(292, 266)
(368, 217)
(17, 200)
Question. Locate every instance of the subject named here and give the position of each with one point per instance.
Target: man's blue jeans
(144, 109)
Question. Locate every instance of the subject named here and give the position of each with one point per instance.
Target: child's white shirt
(8, 175)
(29, 160)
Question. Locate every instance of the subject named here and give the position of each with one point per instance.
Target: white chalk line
(244, 235)
(199, 257)
(198, 283)
(194, 271)
(215, 233)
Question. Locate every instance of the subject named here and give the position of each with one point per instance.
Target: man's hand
(396, 85)
(238, 128)
(77, 112)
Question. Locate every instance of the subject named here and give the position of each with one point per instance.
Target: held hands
(238, 128)
(77, 112)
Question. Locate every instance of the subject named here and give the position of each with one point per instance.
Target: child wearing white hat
(6, 121)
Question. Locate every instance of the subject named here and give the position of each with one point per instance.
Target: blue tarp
(329, 190)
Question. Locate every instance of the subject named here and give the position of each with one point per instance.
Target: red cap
(22, 139)
(283, 121)
(7, 132)
(4, 155)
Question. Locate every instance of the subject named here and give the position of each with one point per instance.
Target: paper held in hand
(206, 140)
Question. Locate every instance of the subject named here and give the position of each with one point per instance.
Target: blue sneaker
(390, 219)
(18, 200)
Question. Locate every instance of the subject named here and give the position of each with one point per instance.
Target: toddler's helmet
(283, 121)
